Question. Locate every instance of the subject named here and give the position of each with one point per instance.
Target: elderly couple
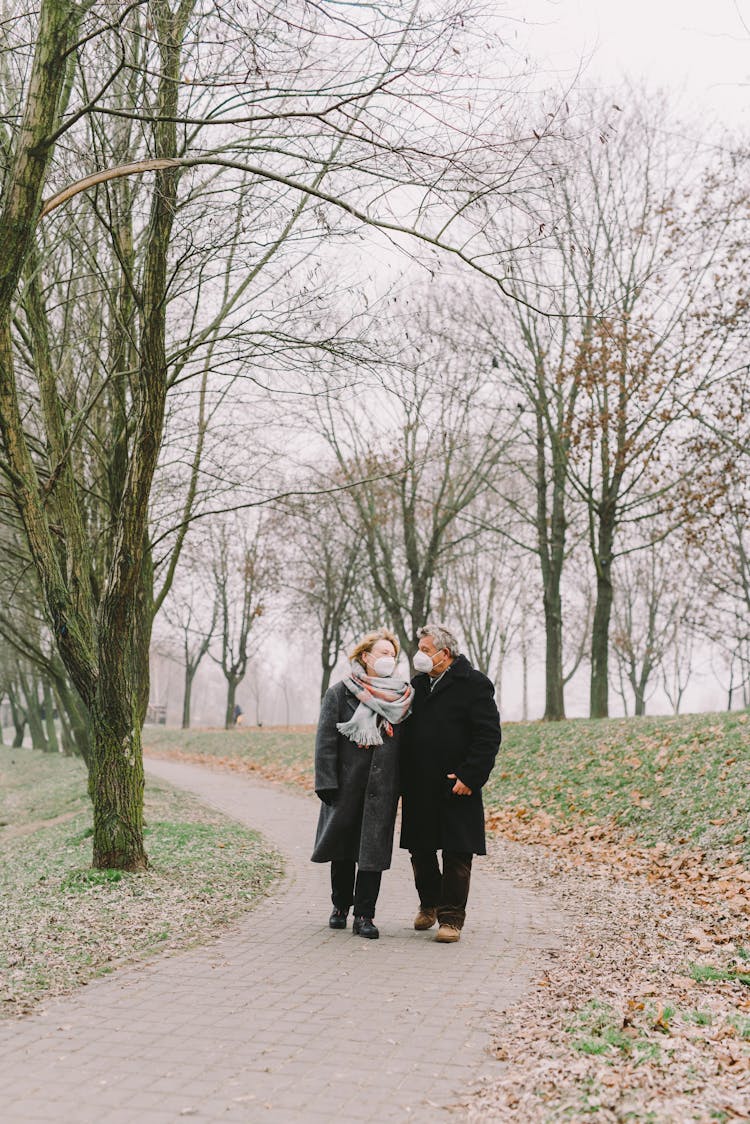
(434, 741)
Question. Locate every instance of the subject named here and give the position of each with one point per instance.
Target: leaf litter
(627, 1021)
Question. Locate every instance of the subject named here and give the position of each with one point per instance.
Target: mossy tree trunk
(101, 622)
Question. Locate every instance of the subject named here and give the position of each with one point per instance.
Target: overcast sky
(698, 48)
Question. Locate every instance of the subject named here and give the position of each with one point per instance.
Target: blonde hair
(368, 642)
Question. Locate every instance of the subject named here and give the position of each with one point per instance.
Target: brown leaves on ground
(297, 775)
(721, 884)
(625, 1020)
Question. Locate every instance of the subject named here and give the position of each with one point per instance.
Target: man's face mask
(421, 661)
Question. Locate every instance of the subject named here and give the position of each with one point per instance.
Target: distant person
(237, 714)
(356, 778)
(447, 753)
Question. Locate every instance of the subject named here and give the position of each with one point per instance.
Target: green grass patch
(63, 923)
(683, 781)
(597, 1030)
(700, 1018)
(706, 973)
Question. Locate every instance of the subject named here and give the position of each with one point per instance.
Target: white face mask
(421, 661)
(384, 666)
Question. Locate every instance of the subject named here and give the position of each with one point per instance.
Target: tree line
(208, 418)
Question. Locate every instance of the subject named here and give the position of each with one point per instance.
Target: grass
(280, 754)
(683, 780)
(706, 973)
(676, 780)
(63, 923)
(597, 1029)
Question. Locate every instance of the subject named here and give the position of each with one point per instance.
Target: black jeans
(445, 891)
(363, 893)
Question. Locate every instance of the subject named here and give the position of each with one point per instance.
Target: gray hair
(441, 637)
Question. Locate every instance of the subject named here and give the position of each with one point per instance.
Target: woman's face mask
(384, 666)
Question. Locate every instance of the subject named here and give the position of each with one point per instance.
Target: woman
(356, 778)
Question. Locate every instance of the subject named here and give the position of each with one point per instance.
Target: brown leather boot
(425, 919)
(448, 934)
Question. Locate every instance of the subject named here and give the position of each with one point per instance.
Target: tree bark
(19, 720)
(49, 718)
(599, 695)
(117, 781)
(325, 681)
(231, 694)
(34, 714)
(551, 530)
(188, 688)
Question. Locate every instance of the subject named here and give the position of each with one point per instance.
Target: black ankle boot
(365, 927)
(337, 920)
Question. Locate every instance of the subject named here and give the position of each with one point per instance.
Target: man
(449, 747)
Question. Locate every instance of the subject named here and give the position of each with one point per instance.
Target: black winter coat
(453, 729)
(359, 825)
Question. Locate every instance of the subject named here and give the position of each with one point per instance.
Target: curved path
(281, 1019)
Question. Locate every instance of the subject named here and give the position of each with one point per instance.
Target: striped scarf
(383, 703)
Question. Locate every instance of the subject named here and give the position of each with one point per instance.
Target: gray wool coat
(359, 825)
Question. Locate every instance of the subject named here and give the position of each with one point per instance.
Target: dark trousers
(445, 891)
(345, 891)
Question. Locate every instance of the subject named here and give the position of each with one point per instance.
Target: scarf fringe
(356, 733)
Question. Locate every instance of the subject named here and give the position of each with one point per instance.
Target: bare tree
(652, 603)
(429, 438)
(325, 564)
(192, 612)
(244, 577)
(487, 592)
(635, 332)
(122, 90)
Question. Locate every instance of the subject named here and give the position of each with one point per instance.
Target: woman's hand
(459, 788)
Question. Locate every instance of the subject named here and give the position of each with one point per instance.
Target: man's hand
(459, 788)
(327, 795)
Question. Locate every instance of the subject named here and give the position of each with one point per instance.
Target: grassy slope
(679, 781)
(63, 923)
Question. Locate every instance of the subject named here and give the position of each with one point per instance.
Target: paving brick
(281, 1011)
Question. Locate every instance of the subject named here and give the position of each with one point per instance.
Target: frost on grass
(63, 923)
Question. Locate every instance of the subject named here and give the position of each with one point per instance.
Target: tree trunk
(229, 713)
(117, 780)
(188, 690)
(499, 667)
(34, 715)
(554, 705)
(67, 738)
(327, 673)
(117, 713)
(49, 718)
(639, 688)
(551, 547)
(599, 698)
(75, 720)
(19, 719)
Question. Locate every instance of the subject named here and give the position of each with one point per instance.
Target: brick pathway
(283, 1020)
